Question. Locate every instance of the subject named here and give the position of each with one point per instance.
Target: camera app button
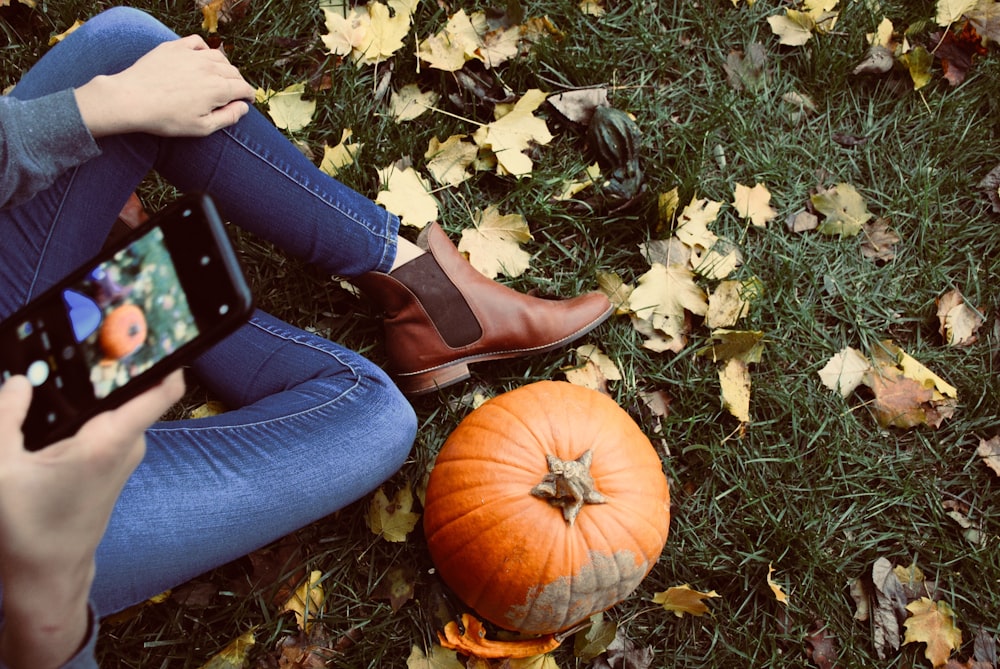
(38, 372)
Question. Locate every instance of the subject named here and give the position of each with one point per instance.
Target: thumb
(15, 398)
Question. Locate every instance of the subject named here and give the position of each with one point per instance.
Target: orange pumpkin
(123, 331)
(547, 504)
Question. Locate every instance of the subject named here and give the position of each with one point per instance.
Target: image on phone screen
(129, 313)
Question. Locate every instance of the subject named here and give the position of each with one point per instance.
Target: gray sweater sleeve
(40, 139)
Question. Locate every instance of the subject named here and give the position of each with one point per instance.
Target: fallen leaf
(844, 210)
(933, 623)
(880, 241)
(335, 158)
(959, 322)
(779, 594)
(454, 45)
(822, 647)
(493, 244)
(392, 520)
(55, 39)
(235, 655)
(989, 451)
(616, 289)
(730, 301)
(398, 586)
(754, 204)
(407, 194)
(594, 369)
(747, 69)
(289, 109)
(949, 11)
(661, 298)
(449, 161)
(802, 221)
(590, 642)
(409, 102)
(734, 380)
(369, 34)
(985, 18)
(888, 610)
(845, 371)
(307, 601)
(440, 658)
(990, 184)
(919, 62)
(578, 105)
(511, 135)
(879, 60)
(745, 345)
(793, 28)
(682, 599)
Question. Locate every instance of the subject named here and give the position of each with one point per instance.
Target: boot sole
(426, 381)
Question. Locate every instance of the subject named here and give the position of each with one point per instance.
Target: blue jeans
(312, 426)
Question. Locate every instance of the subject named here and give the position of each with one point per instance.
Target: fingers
(131, 419)
(15, 398)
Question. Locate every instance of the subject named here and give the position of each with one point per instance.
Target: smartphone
(126, 319)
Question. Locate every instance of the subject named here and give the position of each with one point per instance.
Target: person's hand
(54, 508)
(180, 88)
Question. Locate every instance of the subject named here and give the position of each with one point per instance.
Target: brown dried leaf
(397, 587)
(822, 647)
(989, 451)
(959, 321)
(880, 241)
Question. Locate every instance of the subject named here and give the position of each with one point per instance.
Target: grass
(814, 487)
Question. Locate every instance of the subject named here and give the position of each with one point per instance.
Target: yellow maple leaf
(500, 45)
(794, 28)
(571, 188)
(681, 599)
(455, 44)
(845, 210)
(754, 204)
(392, 520)
(731, 300)
(594, 369)
(492, 246)
(906, 392)
(235, 655)
(340, 156)
(386, 33)
(659, 302)
(288, 109)
(307, 601)
(369, 34)
(409, 102)
(932, 623)
(449, 161)
(407, 194)
(949, 11)
(55, 39)
(514, 133)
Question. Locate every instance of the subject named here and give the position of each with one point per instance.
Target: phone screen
(129, 313)
(165, 295)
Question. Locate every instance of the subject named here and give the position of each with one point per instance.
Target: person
(130, 505)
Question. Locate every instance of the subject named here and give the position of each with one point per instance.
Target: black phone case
(59, 408)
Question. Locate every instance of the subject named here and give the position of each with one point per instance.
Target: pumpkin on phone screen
(547, 504)
(123, 331)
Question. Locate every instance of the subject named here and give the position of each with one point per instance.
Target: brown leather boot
(441, 314)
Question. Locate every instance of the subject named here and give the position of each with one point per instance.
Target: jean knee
(128, 31)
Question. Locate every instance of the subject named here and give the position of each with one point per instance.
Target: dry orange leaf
(681, 599)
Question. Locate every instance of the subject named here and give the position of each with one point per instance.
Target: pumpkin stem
(569, 485)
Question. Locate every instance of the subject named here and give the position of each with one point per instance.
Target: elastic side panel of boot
(441, 299)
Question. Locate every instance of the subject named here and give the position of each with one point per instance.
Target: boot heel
(421, 383)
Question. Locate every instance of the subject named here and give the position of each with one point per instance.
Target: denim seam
(302, 181)
(287, 336)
